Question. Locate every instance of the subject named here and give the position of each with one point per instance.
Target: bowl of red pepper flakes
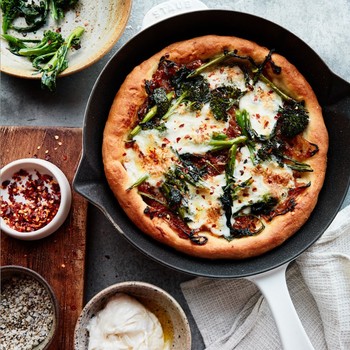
(35, 198)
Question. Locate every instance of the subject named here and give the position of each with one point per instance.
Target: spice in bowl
(30, 200)
(27, 310)
(35, 198)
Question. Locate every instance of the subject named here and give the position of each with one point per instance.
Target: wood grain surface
(59, 258)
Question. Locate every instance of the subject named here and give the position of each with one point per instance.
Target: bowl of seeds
(28, 310)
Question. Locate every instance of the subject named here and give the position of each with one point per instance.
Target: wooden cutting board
(59, 258)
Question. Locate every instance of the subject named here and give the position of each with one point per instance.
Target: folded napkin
(232, 314)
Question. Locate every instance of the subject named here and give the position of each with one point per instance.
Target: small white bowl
(10, 271)
(44, 167)
(155, 299)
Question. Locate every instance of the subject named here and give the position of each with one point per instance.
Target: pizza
(216, 147)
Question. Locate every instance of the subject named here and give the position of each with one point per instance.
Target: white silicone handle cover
(273, 286)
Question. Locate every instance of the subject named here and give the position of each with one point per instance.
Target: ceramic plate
(104, 22)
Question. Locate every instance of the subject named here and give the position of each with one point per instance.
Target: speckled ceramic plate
(104, 22)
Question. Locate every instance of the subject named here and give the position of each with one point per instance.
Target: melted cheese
(228, 76)
(152, 157)
(205, 208)
(262, 104)
(187, 131)
(268, 178)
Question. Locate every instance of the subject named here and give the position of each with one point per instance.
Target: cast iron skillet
(333, 94)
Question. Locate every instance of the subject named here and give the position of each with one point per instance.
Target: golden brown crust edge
(123, 114)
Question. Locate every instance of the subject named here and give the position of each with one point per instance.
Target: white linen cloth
(231, 314)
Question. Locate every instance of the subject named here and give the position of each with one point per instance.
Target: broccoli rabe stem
(204, 66)
(16, 42)
(174, 106)
(58, 62)
(50, 43)
(231, 160)
(275, 88)
(219, 144)
(149, 115)
(138, 182)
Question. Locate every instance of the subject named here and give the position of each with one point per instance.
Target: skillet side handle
(274, 288)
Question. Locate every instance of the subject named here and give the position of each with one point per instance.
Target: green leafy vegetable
(15, 44)
(48, 55)
(161, 106)
(58, 7)
(242, 118)
(293, 119)
(264, 206)
(214, 61)
(174, 189)
(59, 61)
(245, 225)
(193, 90)
(222, 99)
(190, 172)
(49, 44)
(221, 141)
(274, 87)
(35, 14)
(138, 182)
(273, 149)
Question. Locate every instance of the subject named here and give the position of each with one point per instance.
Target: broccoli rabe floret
(59, 61)
(265, 205)
(58, 7)
(34, 14)
(195, 91)
(294, 118)
(222, 99)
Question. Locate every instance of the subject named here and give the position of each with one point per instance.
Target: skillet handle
(274, 288)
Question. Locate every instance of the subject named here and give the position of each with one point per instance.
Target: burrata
(125, 324)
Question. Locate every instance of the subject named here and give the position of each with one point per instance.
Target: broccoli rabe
(59, 61)
(264, 205)
(58, 7)
(34, 14)
(174, 189)
(161, 105)
(274, 149)
(222, 99)
(244, 224)
(50, 42)
(293, 119)
(48, 56)
(221, 141)
(195, 91)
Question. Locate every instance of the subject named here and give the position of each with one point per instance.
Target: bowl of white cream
(132, 315)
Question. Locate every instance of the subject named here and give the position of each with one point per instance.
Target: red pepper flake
(29, 200)
(178, 139)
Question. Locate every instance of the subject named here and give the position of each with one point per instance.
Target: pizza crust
(123, 116)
